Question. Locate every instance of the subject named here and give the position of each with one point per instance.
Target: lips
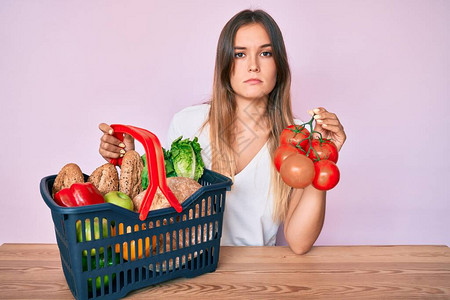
(253, 81)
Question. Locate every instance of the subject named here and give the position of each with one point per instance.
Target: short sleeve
(187, 123)
(174, 132)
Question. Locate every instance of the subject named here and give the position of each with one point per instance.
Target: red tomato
(282, 153)
(297, 171)
(326, 150)
(293, 134)
(327, 175)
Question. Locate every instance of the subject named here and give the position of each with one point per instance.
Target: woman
(239, 132)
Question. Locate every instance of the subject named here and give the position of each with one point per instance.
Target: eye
(266, 53)
(239, 54)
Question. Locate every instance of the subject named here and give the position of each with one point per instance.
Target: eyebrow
(262, 46)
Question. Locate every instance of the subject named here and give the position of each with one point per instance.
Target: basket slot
(158, 239)
(213, 255)
(157, 270)
(197, 213)
(137, 274)
(168, 242)
(171, 266)
(121, 280)
(92, 232)
(134, 275)
(90, 288)
(183, 262)
(100, 228)
(128, 276)
(197, 260)
(164, 267)
(198, 234)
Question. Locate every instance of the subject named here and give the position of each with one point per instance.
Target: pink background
(382, 66)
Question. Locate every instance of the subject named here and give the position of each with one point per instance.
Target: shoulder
(193, 113)
(188, 122)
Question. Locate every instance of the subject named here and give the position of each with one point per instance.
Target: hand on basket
(112, 147)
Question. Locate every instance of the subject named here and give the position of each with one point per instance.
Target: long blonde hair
(222, 114)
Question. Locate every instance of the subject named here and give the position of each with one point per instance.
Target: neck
(252, 112)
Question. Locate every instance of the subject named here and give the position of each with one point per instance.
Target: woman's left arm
(306, 211)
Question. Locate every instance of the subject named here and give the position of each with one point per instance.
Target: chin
(254, 97)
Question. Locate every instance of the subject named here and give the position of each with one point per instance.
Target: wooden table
(33, 271)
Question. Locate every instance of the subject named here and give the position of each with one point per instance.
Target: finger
(325, 115)
(328, 118)
(108, 154)
(110, 139)
(316, 111)
(320, 113)
(319, 110)
(328, 122)
(128, 140)
(319, 129)
(112, 148)
(105, 128)
(316, 135)
(332, 128)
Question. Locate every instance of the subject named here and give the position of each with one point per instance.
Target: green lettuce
(168, 164)
(144, 174)
(183, 159)
(186, 157)
(199, 165)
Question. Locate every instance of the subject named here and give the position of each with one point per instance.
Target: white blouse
(249, 205)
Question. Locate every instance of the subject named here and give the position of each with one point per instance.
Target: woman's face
(254, 73)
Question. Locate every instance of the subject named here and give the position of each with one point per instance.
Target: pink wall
(382, 66)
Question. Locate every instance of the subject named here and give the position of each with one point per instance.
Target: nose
(253, 65)
(253, 68)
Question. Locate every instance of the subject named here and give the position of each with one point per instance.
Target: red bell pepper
(79, 194)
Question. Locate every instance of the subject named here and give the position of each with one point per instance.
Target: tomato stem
(320, 136)
(310, 137)
(317, 154)
(299, 128)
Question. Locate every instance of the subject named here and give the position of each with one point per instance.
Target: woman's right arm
(112, 147)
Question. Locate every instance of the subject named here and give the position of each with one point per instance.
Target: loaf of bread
(68, 175)
(181, 187)
(130, 174)
(105, 178)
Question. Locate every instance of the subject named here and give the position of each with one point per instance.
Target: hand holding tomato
(309, 157)
(329, 126)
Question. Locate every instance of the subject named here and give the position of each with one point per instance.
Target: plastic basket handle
(155, 165)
